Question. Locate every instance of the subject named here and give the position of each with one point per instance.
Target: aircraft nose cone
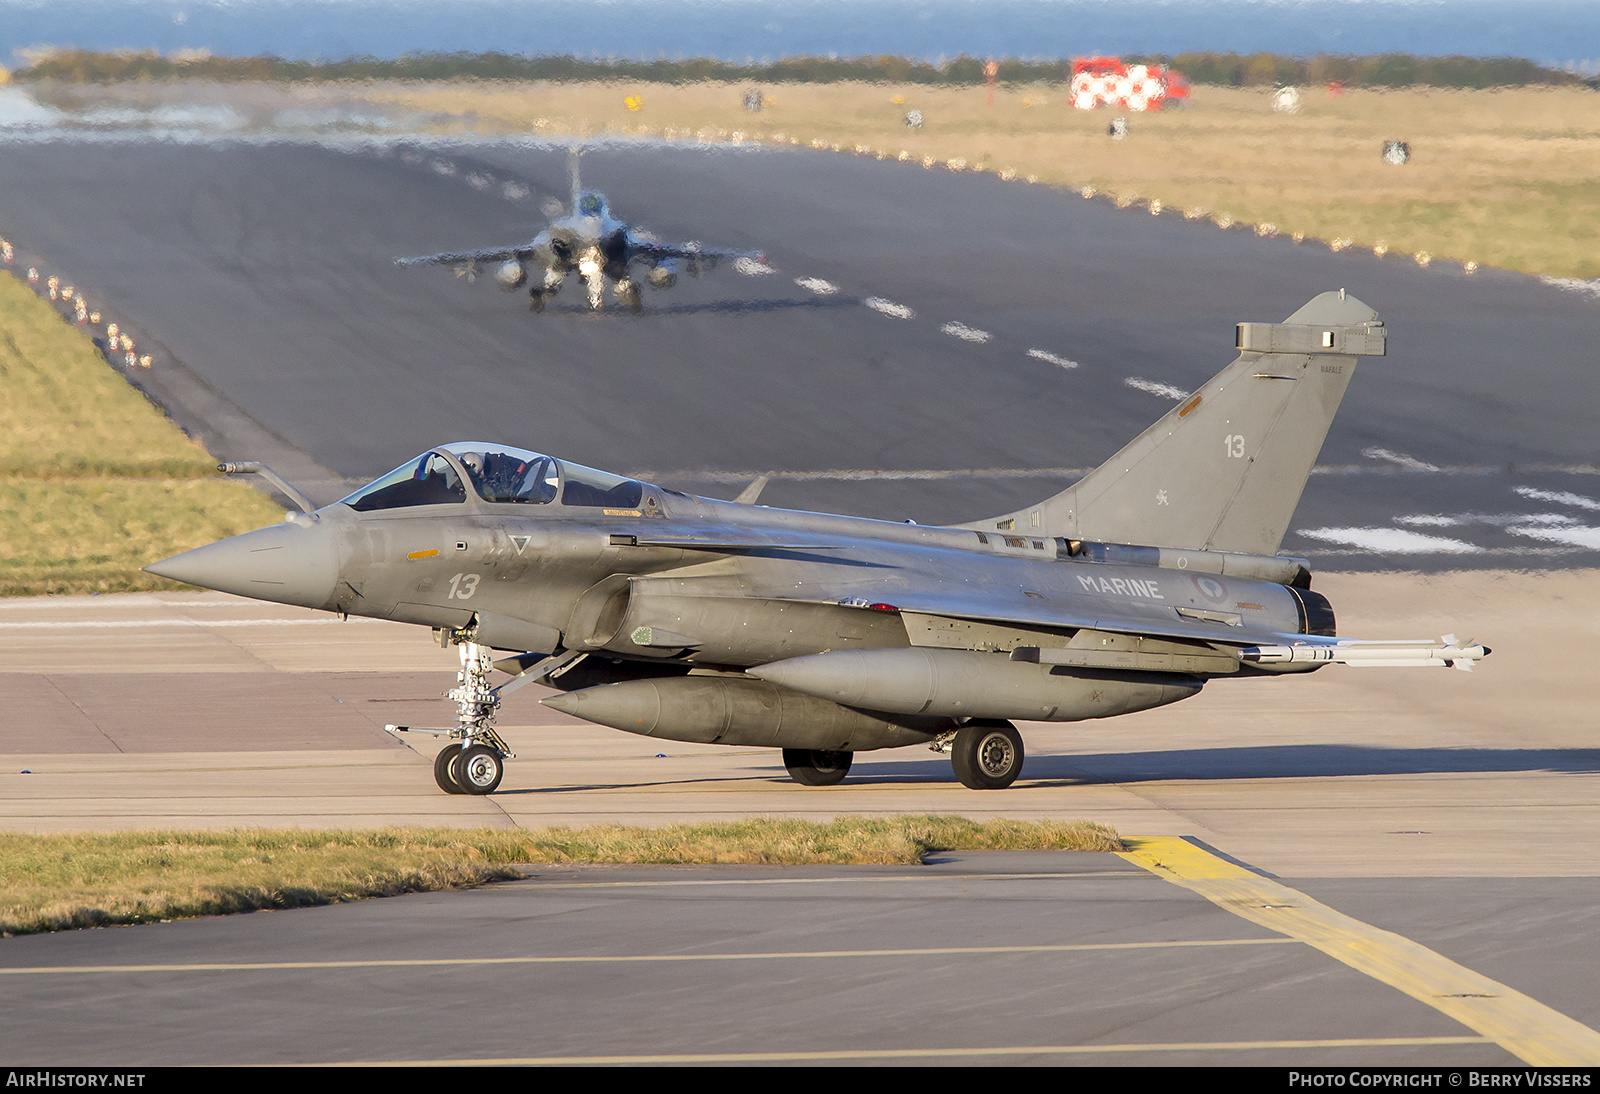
(286, 563)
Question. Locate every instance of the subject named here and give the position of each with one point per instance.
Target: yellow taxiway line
(1524, 1027)
(926, 1053)
(605, 959)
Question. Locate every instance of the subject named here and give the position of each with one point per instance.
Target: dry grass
(58, 882)
(92, 534)
(94, 480)
(1503, 178)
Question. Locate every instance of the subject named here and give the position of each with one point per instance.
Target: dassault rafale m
(725, 622)
(593, 244)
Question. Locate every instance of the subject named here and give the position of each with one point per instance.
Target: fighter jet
(591, 243)
(724, 622)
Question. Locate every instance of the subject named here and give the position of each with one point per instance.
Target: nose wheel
(479, 770)
(444, 769)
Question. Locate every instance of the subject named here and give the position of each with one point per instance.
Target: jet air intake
(971, 684)
(511, 276)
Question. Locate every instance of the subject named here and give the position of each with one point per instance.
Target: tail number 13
(1233, 444)
(462, 586)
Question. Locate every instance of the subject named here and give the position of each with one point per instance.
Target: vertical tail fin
(1225, 469)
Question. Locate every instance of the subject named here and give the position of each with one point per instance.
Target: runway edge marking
(1523, 1026)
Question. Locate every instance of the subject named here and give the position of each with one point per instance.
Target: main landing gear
(986, 755)
(817, 767)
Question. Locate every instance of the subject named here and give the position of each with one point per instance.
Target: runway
(931, 344)
(177, 710)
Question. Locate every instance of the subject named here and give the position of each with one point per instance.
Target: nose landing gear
(477, 763)
(474, 760)
(478, 768)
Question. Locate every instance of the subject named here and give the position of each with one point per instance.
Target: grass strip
(60, 882)
(95, 481)
(1497, 177)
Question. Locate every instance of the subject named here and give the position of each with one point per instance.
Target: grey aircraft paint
(695, 619)
(592, 244)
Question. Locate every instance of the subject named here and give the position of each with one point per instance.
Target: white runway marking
(1492, 520)
(1166, 391)
(1560, 497)
(124, 623)
(1558, 533)
(1433, 520)
(751, 268)
(852, 474)
(1573, 284)
(965, 333)
(889, 308)
(1396, 541)
(1399, 459)
(1046, 355)
(145, 600)
(817, 285)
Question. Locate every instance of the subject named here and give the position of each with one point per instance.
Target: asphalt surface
(262, 274)
(1001, 957)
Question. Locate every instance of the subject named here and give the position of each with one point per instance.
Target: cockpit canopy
(591, 204)
(498, 473)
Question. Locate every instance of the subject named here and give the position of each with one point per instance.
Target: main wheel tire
(480, 769)
(817, 767)
(444, 769)
(987, 755)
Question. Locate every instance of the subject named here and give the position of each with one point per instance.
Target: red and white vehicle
(1106, 81)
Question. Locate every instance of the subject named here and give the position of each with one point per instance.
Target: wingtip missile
(1421, 653)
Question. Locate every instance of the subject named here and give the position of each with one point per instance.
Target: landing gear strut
(474, 760)
(477, 763)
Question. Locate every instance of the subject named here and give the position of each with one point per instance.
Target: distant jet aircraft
(721, 622)
(592, 244)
